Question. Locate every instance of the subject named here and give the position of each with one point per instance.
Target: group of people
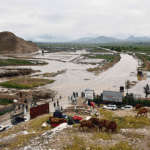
(73, 98)
(60, 108)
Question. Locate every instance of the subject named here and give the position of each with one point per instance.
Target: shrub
(135, 102)
(5, 101)
(96, 100)
(25, 83)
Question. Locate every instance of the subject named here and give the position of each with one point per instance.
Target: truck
(112, 96)
(16, 117)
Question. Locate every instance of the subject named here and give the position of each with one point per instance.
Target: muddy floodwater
(77, 79)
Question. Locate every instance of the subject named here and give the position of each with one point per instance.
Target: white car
(127, 107)
(111, 107)
(2, 128)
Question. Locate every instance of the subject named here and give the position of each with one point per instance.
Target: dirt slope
(10, 44)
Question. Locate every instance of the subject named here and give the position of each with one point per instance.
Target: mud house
(25, 96)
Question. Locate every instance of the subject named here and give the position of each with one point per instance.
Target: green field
(99, 56)
(69, 45)
(128, 48)
(5, 101)
(8, 62)
(25, 83)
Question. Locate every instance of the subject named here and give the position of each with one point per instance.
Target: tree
(118, 49)
(146, 91)
(127, 85)
(112, 48)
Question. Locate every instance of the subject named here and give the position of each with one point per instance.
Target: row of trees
(130, 101)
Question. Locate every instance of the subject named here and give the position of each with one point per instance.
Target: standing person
(22, 107)
(97, 95)
(52, 99)
(73, 101)
(98, 104)
(60, 96)
(77, 94)
(54, 104)
(61, 108)
(26, 107)
(57, 103)
(68, 98)
(19, 106)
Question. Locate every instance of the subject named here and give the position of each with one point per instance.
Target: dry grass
(127, 121)
(101, 135)
(33, 127)
(121, 146)
(107, 114)
(54, 74)
(80, 144)
(25, 83)
(97, 70)
(133, 135)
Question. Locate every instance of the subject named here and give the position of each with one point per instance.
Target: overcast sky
(75, 18)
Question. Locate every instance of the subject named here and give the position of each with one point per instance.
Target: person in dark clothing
(82, 94)
(54, 104)
(97, 95)
(26, 107)
(57, 101)
(73, 101)
(57, 114)
(60, 96)
(98, 104)
(52, 99)
(89, 103)
(74, 94)
(57, 104)
(61, 108)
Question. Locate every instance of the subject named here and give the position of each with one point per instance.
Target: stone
(44, 125)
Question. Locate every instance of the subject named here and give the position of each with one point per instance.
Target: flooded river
(77, 79)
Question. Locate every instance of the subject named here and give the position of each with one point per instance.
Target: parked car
(2, 128)
(126, 107)
(111, 107)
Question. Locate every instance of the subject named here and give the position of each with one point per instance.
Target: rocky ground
(69, 136)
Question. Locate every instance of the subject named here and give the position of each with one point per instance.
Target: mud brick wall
(7, 108)
(9, 97)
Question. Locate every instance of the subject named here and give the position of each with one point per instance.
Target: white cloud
(75, 18)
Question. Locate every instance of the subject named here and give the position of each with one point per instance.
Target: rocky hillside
(11, 44)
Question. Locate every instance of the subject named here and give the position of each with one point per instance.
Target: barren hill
(10, 44)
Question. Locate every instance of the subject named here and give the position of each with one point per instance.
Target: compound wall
(39, 110)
